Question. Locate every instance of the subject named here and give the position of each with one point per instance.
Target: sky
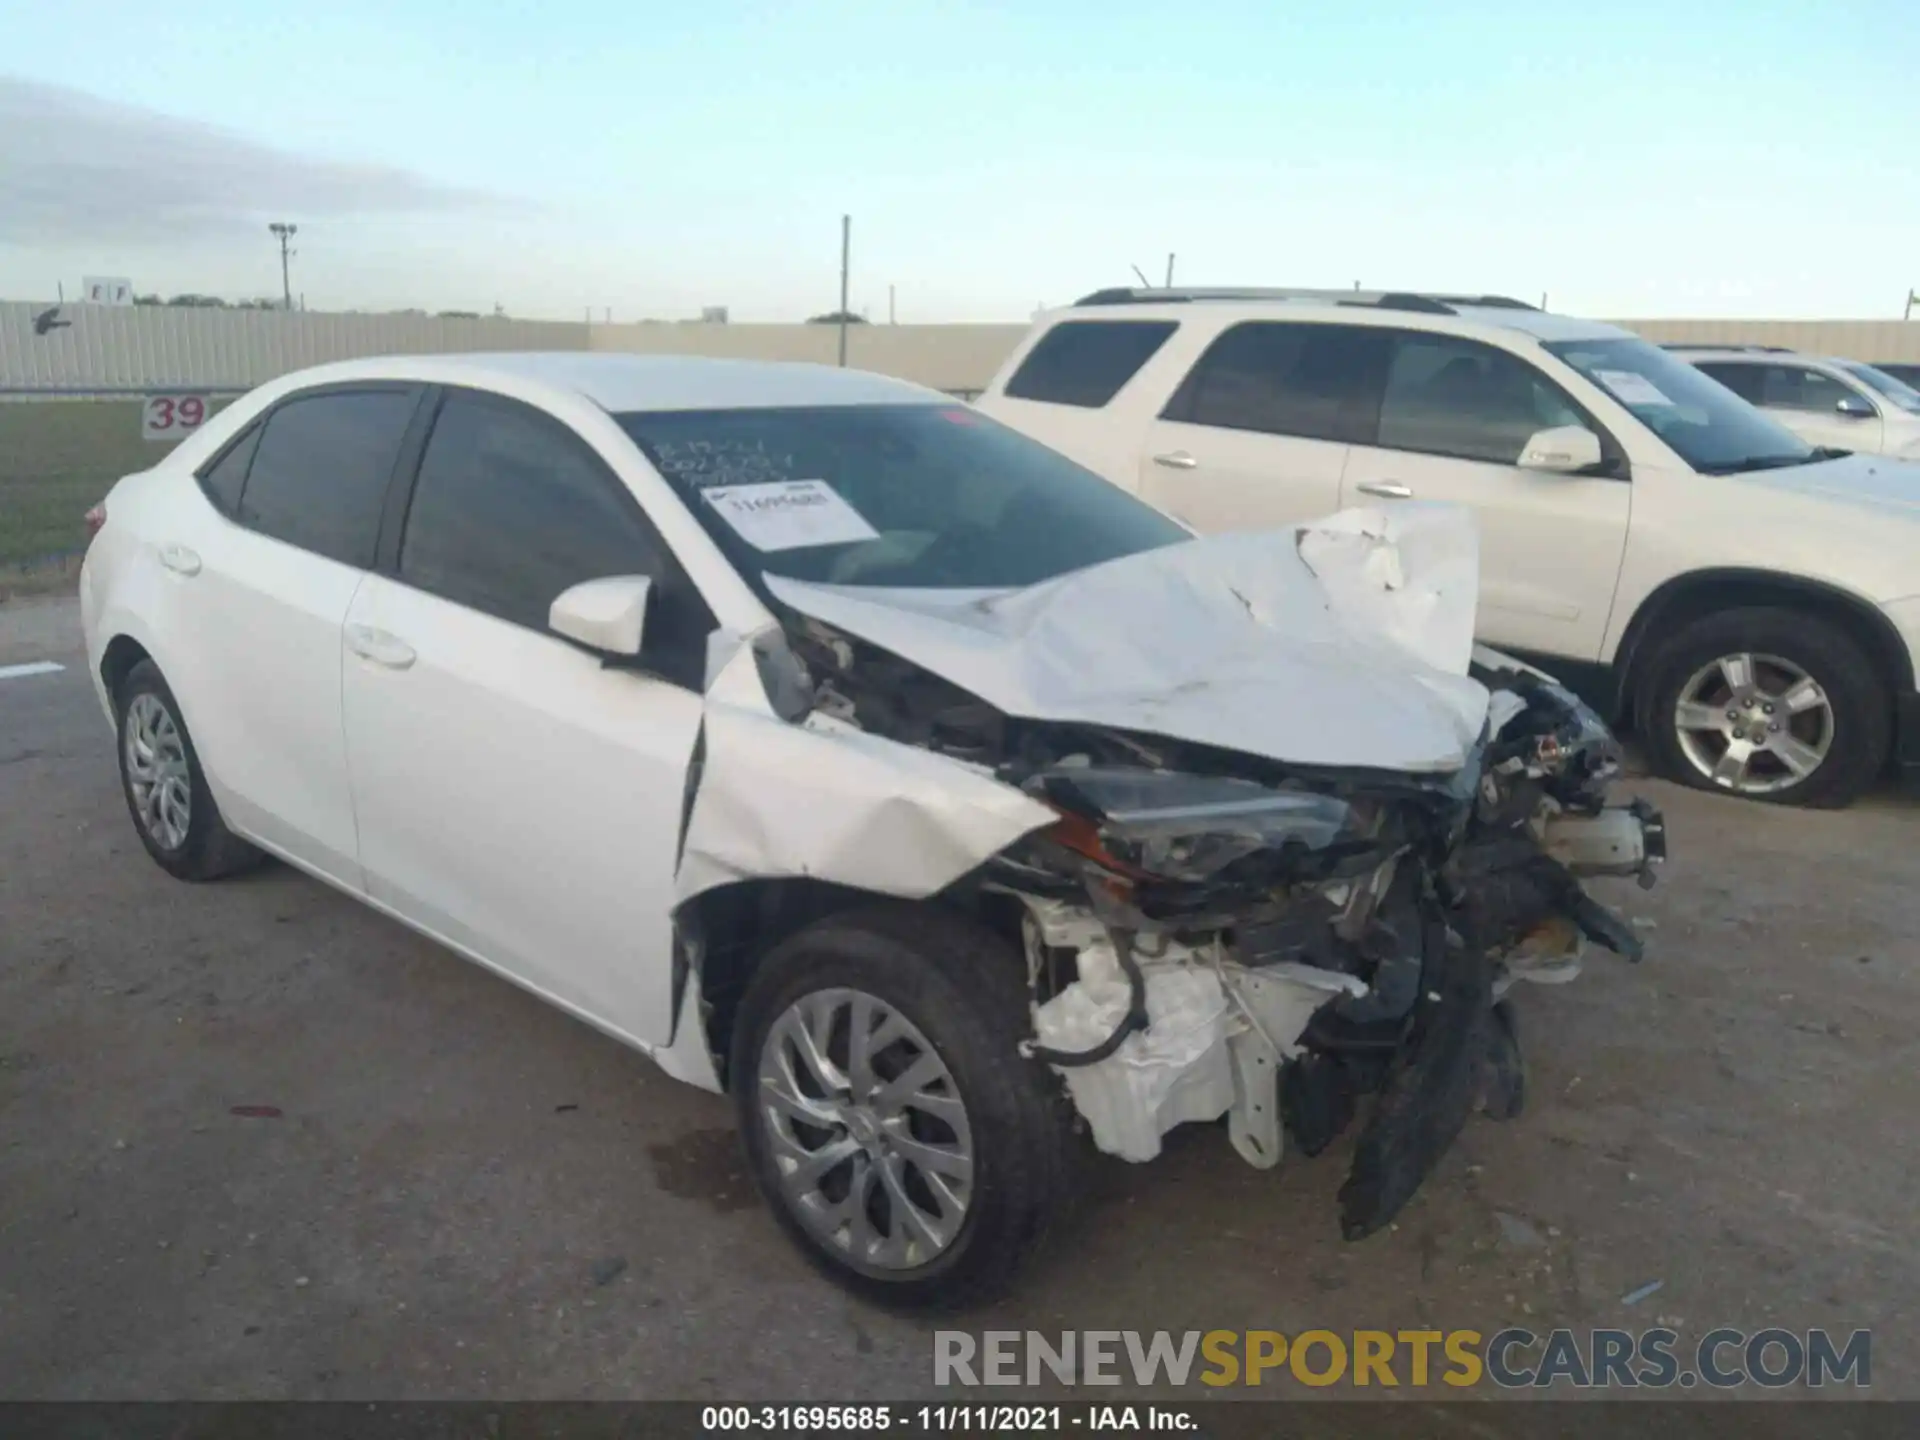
(623, 157)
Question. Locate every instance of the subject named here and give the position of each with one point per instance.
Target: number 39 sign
(172, 417)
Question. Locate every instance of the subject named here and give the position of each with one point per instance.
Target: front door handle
(1177, 460)
(1386, 489)
(379, 647)
(179, 559)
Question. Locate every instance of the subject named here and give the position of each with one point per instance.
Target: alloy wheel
(1754, 724)
(158, 776)
(867, 1131)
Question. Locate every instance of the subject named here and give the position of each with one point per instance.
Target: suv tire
(1770, 704)
(949, 998)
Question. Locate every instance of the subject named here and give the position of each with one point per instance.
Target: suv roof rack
(1715, 345)
(1424, 303)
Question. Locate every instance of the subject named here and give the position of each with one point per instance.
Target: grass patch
(57, 459)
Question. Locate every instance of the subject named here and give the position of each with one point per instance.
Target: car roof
(624, 382)
(1444, 314)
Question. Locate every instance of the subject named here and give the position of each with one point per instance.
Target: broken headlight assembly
(1201, 829)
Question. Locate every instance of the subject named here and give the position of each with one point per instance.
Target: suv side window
(1085, 362)
(511, 508)
(1794, 387)
(1459, 398)
(1319, 382)
(1744, 380)
(320, 471)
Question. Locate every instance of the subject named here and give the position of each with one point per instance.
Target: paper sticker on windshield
(789, 514)
(1630, 387)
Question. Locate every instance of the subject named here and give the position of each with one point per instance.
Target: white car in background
(1844, 404)
(1749, 600)
(842, 748)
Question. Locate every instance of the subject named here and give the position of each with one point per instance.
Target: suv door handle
(179, 559)
(1177, 460)
(1386, 489)
(379, 647)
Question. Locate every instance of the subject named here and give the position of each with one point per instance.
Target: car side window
(1318, 382)
(1085, 362)
(320, 473)
(1794, 387)
(223, 480)
(1465, 400)
(1743, 380)
(511, 508)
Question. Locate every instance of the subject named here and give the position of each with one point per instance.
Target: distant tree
(148, 300)
(833, 317)
(199, 302)
(459, 314)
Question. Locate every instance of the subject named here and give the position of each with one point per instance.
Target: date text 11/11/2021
(943, 1419)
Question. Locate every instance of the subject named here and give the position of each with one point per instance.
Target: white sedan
(841, 748)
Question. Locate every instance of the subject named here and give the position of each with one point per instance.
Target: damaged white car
(850, 752)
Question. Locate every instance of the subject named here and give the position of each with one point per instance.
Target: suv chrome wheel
(867, 1130)
(159, 780)
(1753, 723)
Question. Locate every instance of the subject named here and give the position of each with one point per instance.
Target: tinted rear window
(916, 496)
(1320, 382)
(1085, 362)
(319, 476)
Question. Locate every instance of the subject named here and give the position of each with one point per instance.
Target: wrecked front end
(1288, 948)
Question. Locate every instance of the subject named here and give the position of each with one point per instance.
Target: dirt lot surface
(462, 1193)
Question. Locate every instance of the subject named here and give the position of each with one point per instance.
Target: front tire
(1769, 704)
(166, 791)
(902, 1141)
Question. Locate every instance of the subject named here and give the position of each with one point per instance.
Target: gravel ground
(461, 1193)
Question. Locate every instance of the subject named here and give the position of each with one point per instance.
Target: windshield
(1706, 424)
(917, 496)
(1897, 391)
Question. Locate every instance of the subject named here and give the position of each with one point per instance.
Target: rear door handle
(179, 559)
(1386, 489)
(379, 647)
(1177, 460)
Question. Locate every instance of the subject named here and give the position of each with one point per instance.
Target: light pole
(286, 233)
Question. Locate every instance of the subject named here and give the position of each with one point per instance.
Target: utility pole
(1912, 296)
(1169, 270)
(846, 255)
(890, 319)
(286, 233)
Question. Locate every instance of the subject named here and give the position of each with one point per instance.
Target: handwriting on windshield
(706, 463)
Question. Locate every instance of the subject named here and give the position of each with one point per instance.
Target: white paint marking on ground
(37, 667)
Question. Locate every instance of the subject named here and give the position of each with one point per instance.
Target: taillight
(96, 517)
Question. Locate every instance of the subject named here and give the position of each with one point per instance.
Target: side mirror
(607, 616)
(1563, 450)
(1854, 408)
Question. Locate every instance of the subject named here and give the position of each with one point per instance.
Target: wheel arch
(722, 935)
(122, 653)
(1702, 592)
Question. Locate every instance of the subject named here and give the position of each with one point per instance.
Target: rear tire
(959, 994)
(173, 811)
(1769, 704)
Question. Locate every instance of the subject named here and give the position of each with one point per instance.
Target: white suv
(1749, 600)
(1847, 404)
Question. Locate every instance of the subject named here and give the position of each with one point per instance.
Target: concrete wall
(1852, 339)
(945, 357)
(106, 347)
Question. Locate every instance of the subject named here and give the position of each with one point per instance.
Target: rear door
(257, 589)
(1454, 415)
(1257, 433)
(516, 797)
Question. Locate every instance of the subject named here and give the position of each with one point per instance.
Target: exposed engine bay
(1277, 838)
(1209, 933)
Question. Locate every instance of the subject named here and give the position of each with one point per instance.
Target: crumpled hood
(1343, 642)
(1878, 484)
